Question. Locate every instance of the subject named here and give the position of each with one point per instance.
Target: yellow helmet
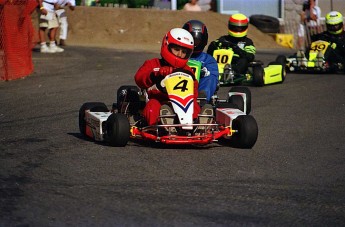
(334, 22)
(238, 25)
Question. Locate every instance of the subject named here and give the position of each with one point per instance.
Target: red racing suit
(146, 77)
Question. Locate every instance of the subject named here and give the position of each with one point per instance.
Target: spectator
(310, 21)
(209, 74)
(213, 6)
(204, 5)
(62, 18)
(48, 20)
(237, 40)
(192, 5)
(177, 47)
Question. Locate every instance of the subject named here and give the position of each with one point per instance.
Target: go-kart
(314, 60)
(256, 74)
(230, 122)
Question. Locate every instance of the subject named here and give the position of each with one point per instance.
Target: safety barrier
(16, 38)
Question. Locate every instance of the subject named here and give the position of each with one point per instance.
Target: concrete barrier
(142, 28)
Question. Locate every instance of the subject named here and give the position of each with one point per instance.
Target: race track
(51, 176)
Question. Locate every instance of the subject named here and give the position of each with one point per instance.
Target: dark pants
(240, 66)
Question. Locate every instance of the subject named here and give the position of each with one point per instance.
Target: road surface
(51, 176)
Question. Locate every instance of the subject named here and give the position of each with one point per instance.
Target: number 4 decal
(182, 85)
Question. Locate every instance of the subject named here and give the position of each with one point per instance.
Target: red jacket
(145, 74)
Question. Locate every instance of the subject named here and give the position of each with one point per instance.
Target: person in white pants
(62, 18)
(310, 19)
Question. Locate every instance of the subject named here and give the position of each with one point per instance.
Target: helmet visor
(236, 28)
(179, 51)
(334, 27)
(197, 42)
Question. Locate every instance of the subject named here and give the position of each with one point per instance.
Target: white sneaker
(206, 116)
(301, 59)
(45, 49)
(56, 49)
(169, 119)
(166, 111)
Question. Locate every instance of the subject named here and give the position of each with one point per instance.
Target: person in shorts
(48, 21)
(62, 18)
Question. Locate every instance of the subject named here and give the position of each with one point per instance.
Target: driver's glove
(160, 72)
(333, 46)
(165, 70)
(204, 72)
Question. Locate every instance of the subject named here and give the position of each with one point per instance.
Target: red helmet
(238, 25)
(177, 37)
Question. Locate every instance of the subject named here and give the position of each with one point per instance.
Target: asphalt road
(51, 176)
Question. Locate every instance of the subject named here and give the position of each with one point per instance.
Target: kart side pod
(273, 74)
(225, 116)
(95, 124)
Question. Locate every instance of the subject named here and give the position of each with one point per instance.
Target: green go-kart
(256, 74)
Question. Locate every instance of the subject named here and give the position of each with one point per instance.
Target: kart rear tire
(118, 130)
(247, 132)
(238, 101)
(281, 59)
(258, 76)
(248, 95)
(128, 93)
(93, 107)
(226, 105)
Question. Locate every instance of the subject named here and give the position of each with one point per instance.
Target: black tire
(118, 130)
(128, 94)
(247, 132)
(248, 95)
(238, 101)
(226, 105)
(258, 76)
(281, 59)
(93, 107)
(265, 23)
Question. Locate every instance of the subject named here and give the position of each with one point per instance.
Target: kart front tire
(118, 130)
(258, 76)
(93, 107)
(247, 132)
(248, 93)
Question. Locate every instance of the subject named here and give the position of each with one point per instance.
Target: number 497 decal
(319, 46)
